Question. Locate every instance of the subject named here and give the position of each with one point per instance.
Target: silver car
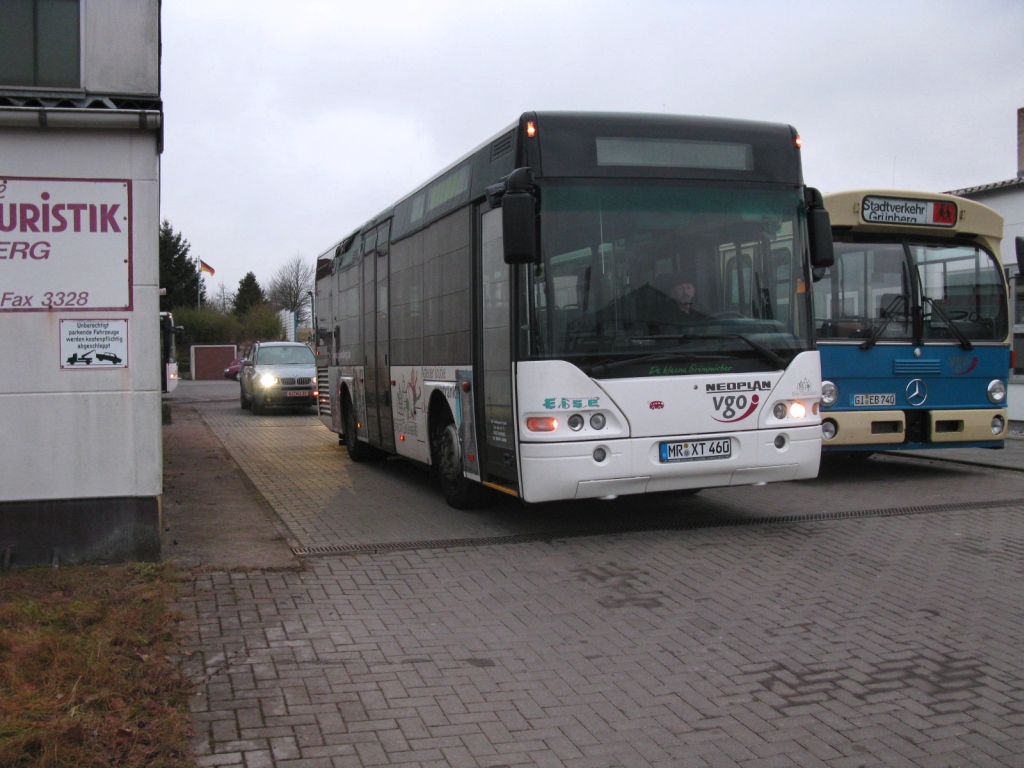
(278, 373)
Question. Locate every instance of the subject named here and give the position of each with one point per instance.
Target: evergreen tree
(249, 294)
(179, 273)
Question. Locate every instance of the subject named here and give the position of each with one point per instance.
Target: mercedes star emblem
(917, 392)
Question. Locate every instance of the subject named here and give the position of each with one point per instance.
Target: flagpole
(199, 278)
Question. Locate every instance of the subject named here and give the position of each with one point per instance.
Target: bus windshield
(696, 274)
(961, 285)
(871, 292)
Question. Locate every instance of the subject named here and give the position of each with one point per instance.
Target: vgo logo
(735, 408)
(728, 406)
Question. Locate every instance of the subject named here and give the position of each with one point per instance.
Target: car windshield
(300, 355)
(871, 292)
(703, 274)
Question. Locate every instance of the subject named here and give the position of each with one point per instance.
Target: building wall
(81, 462)
(76, 434)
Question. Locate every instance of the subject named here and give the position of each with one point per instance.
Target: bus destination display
(922, 213)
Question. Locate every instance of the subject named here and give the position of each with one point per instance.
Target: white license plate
(881, 399)
(298, 394)
(695, 450)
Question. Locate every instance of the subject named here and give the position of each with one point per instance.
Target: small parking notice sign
(93, 344)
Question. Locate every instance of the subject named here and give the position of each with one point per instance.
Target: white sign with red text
(93, 344)
(65, 244)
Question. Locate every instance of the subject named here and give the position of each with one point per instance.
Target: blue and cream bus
(585, 306)
(912, 324)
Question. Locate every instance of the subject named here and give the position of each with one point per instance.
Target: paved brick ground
(877, 642)
(885, 641)
(325, 499)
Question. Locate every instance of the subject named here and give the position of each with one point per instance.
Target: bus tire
(357, 450)
(459, 491)
(246, 402)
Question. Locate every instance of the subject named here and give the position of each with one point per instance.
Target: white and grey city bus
(585, 306)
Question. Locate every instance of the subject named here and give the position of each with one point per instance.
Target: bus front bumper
(888, 429)
(569, 470)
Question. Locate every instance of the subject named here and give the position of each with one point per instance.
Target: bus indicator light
(541, 424)
(798, 141)
(531, 128)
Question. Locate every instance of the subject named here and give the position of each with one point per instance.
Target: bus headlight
(575, 422)
(266, 380)
(829, 429)
(597, 421)
(996, 391)
(829, 393)
(997, 425)
(794, 410)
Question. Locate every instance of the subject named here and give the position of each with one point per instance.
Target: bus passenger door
(497, 438)
(369, 361)
(383, 360)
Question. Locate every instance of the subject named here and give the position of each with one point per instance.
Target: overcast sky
(289, 124)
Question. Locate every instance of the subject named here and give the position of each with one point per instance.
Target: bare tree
(223, 299)
(290, 286)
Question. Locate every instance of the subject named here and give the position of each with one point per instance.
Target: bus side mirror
(819, 230)
(519, 218)
(1020, 254)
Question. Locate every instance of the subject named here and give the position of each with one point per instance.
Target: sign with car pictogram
(93, 344)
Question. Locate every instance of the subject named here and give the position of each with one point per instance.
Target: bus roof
(933, 214)
(568, 147)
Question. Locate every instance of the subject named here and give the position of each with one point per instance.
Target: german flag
(204, 267)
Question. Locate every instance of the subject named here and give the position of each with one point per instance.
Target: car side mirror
(819, 230)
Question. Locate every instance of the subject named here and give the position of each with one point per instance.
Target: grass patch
(88, 675)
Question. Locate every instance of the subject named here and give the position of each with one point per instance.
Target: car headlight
(829, 393)
(266, 380)
(996, 391)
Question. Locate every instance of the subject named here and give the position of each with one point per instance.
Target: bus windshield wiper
(964, 341)
(890, 313)
(654, 357)
(770, 355)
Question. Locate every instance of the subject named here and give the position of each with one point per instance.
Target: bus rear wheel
(459, 491)
(357, 450)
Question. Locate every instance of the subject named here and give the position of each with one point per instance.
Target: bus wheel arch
(357, 449)
(446, 458)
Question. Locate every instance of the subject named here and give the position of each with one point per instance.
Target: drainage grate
(526, 538)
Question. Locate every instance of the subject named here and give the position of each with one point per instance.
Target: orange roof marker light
(531, 128)
(798, 141)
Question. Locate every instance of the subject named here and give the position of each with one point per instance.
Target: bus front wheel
(459, 491)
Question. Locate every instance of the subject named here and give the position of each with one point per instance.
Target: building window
(40, 43)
